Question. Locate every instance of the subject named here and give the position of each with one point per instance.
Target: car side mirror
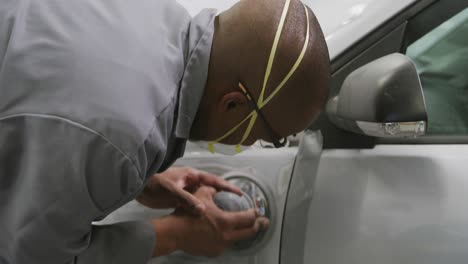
(383, 98)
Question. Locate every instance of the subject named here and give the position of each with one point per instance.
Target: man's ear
(231, 102)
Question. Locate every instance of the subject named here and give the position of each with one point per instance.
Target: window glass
(441, 57)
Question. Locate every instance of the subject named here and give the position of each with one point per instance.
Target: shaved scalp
(241, 47)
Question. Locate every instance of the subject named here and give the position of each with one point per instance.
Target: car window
(441, 58)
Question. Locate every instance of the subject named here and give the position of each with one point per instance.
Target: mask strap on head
(261, 102)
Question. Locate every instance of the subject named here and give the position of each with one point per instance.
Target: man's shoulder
(113, 66)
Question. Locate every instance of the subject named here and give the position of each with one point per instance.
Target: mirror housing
(383, 98)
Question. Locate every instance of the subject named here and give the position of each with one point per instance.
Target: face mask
(216, 147)
(220, 148)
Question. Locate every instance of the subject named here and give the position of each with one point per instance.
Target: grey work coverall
(95, 96)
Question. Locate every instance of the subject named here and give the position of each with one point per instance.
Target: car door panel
(391, 204)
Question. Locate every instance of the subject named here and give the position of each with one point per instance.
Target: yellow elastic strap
(273, 50)
(210, 144)
(211, 147)
(249, 128)
(295, 66)
(271, 59)
(261, 103)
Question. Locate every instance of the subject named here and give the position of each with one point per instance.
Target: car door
(400, 200)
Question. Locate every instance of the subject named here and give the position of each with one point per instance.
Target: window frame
(395, 35)
(417, 27)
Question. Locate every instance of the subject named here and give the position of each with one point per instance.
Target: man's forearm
(167, 230)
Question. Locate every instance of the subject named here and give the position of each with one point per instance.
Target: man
(97, 99)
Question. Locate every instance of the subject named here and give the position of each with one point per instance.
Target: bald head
(241, 49)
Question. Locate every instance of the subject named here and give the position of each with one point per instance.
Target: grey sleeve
(128, 242)
(56, 178)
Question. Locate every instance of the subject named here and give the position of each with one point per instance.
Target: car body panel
(345, 22)
(391, 204)
(300, 195)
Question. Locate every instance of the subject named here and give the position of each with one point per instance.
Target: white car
(360, 187)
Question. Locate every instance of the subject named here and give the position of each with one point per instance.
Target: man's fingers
(218, 183)
(196, 177)
(238, 220)
(206, 192)
(247, 233)
(197, 205)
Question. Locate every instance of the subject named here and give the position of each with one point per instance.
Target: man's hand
(175, 187)
(209, 234)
